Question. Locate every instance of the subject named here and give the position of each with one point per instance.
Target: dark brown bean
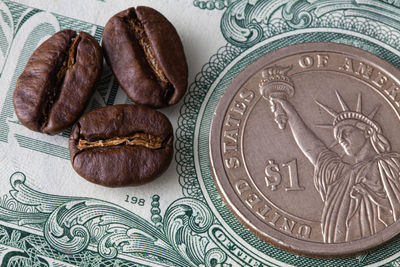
(121, 145)
(146, 56)
(58, 81)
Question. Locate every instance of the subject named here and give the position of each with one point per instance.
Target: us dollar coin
(305, 149)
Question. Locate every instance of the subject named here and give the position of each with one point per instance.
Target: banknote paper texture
(49, 216)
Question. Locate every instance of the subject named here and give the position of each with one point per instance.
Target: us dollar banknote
(49, 216)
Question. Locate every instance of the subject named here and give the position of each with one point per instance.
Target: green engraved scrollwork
(241, 25)
(183, 220)
(215, 254)
(246, 23)
(299, 13)
(188, 114)
(71, 224)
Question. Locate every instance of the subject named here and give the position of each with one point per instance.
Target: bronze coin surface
(304, 149)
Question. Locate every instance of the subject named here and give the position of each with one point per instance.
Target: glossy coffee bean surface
(121, 145)
(146, 56)
(58, 81)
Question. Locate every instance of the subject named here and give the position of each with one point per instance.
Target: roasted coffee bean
(58, 81)
(121, 145)
(146, 56)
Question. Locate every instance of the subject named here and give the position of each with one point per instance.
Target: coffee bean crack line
(144, 42)
(54, 91)
(138, 139)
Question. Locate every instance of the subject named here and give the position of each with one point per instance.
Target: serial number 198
(135, 200)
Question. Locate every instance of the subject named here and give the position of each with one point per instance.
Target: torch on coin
(275, 83)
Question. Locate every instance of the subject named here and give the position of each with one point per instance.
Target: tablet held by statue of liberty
(361, 196)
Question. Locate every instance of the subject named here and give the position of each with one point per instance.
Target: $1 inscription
(321, 122)
(273, 176)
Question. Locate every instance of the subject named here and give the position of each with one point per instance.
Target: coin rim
(240, 211)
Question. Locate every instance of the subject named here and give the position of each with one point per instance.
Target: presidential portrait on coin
(360, 194)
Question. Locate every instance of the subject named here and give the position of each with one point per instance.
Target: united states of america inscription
(304, 149)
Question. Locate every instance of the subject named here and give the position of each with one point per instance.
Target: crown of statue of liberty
(347, 115)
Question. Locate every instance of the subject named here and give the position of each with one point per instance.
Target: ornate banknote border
(73, 225)
(81, 231)
(252, 29)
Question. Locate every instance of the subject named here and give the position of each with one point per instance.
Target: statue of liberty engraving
(360, 198)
